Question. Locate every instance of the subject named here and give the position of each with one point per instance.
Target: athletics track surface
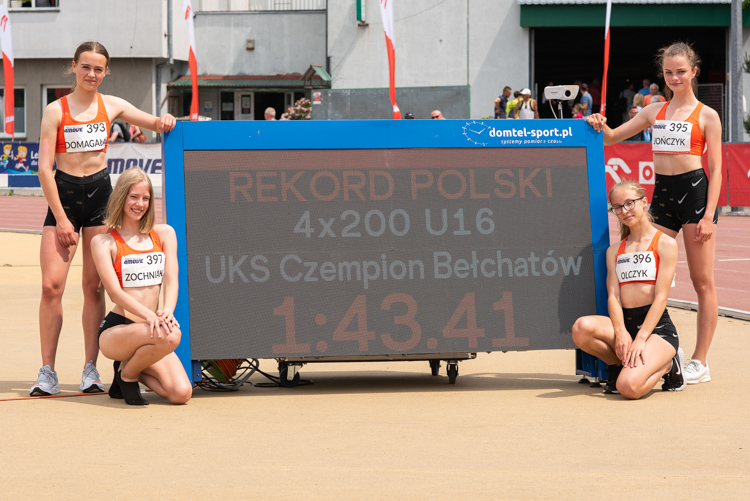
(26, 213)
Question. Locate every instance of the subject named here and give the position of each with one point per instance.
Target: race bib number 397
(85, 137)
(671, 137)
(141, 270)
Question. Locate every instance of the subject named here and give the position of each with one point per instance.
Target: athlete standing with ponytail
(684, 197)
(74, 135)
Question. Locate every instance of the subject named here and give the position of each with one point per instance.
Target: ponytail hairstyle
(625, 230)
(89, 46)
(678, 49)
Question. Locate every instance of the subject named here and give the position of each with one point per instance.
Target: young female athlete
(638, 340)
(134, 260)
(684, 197)
(74, 135)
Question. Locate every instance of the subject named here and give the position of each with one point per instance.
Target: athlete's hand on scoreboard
(597, 121)
(166, 123)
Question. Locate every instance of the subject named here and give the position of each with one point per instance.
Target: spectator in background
(501, 102)
(525, 108)
(437, 115)
(632, 112)
(577, 110)
(638, 101)
(270, 114)
(587, 102)
(654, 95)
(626, 99)
(596, 96)
(645, 90)
(409, 116)
(137, 135)
(512, 104)
(118, 133)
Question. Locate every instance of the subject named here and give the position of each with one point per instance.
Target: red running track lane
(19, 213)
(732, 268)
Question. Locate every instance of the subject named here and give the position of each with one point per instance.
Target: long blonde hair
(131, 177)
(625, 230)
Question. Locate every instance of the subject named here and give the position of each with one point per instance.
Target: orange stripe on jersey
(74, 136)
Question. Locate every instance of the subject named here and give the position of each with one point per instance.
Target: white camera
(561, 92)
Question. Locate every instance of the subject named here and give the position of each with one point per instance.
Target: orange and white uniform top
(638, 267)
(677, 137)
(74, 136)
(139, 268)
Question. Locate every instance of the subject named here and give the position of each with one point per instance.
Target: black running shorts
(111, 320)
(680, 199)
(84, 199)
(665, 329)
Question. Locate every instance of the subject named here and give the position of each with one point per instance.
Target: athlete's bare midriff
(81, 164)
(673, 165)
(148, 296)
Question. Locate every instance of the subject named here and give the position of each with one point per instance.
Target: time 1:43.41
(353, 325)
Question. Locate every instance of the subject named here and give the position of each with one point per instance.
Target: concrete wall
(285, 42)
(129, 79)
(135, 28)
(453, 44)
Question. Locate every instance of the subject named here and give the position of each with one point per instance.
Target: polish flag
(192, 62)
(603, 108)
(6, 41)
(386, 10)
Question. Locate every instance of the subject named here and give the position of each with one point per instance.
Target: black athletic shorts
(665, 329)
(84, 199)
(680, 199)
(111, 320)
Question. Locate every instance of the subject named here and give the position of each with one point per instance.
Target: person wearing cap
(409, 116)
(525, 107)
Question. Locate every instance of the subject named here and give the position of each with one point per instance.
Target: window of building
(19, 106)
(52, 93)
(34, 4)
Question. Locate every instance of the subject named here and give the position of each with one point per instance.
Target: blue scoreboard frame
(378, 134)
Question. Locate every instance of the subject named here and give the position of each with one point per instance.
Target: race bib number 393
(85, 137)
(671, 137)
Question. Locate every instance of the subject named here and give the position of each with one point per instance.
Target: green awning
(290, 82)
(557, 14)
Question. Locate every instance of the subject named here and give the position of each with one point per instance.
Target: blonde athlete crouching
(134, 260)
(638, 341)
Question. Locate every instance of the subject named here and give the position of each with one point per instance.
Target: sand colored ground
(515, 426)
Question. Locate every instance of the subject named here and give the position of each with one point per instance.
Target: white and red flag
(603, 107)
(386, 10)
(187, 10)
(6, 41)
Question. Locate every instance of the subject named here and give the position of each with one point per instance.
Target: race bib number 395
(85, 137)
(671, 137)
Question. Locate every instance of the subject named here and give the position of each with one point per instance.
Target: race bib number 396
(85, 137)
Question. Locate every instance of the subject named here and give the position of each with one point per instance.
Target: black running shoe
(674, 380)
(613, 371)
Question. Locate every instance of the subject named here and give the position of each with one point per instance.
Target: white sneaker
(696, 372)
(90, 382)
(46, 383)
